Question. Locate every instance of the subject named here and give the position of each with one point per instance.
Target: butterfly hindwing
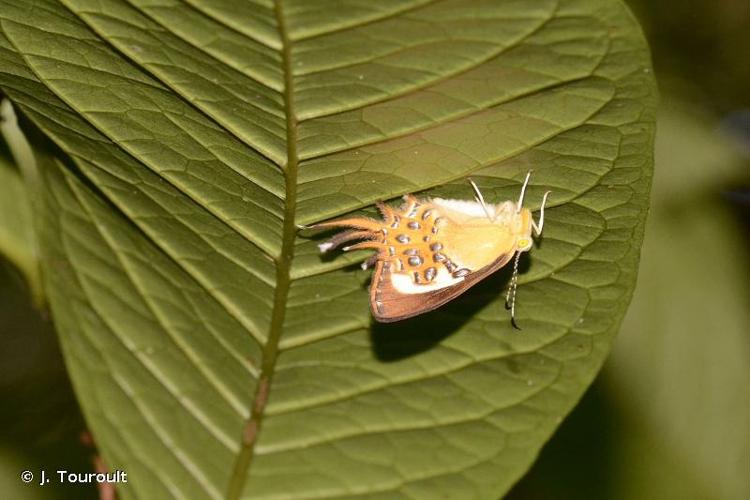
(388, 304)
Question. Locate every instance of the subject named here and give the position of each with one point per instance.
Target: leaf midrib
(270, 353)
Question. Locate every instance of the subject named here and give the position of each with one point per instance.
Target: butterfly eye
(524, 244)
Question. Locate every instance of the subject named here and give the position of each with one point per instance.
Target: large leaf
(214, 352)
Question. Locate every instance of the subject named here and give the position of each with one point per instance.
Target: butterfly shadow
(393, 342)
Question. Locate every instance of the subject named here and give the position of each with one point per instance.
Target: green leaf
(215, 353)
(17, 242)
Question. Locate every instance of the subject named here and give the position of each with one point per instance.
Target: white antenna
(480, 199)
(510, 297)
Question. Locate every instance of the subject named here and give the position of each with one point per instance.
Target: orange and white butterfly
(432, 250)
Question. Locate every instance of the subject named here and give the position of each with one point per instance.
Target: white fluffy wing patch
(404, 283)
(466, 207)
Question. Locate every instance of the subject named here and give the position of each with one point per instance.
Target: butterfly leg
(362, 228)
(538, 227)
(480, 200)
(345, 236)
(380, 247)
(386, 211)
(371, 261)
(410, 204)
(353, 222)
(376, 245)
(523, 191)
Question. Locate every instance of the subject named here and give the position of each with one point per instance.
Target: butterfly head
(516, 221)
(524, 230)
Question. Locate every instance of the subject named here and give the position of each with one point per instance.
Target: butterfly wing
(389, 305)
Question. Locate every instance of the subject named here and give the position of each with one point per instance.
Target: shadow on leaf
(403, 339)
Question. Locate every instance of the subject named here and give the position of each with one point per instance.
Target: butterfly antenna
(510, 297)
(480, 199)
(523, 192)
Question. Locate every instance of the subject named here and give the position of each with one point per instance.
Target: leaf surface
(216, 354)
(17, 242)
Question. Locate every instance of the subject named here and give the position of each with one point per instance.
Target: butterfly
(429, 251)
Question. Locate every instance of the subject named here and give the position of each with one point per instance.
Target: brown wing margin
(389, 305)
